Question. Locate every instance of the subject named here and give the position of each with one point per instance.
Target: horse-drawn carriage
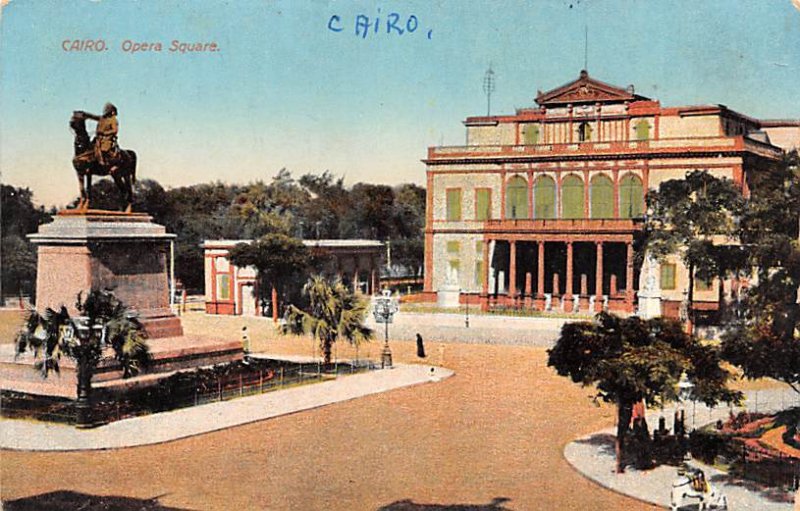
(692, 484)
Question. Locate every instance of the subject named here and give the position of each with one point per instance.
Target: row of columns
(512, 273)
(372, 284)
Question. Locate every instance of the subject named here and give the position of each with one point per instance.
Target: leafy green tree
(696, 218)
(630, 360)
(334, 312)
(18, 215)
(371, 213)
(18, 265)
(277, 258)
(197, 213)
(54, 334)
(18, 218)
(322, 215)
(763, 338)
(408, 242)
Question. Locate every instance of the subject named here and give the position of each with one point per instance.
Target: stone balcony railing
(560, 225)
(692, 145)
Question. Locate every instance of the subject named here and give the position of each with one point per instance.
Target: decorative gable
(586, 90)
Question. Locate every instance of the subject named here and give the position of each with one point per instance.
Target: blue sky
(286, 91)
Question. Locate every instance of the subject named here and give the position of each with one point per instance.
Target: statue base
(128, 254)
(124, 252)
(17, 373)
(448, 296)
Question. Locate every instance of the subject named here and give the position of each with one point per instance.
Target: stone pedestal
(124, 252)
(448, 296)
(129, 254)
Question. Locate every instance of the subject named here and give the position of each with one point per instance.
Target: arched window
(544, 197)
(631, 197)
(584, 132)
(572, 197)
(601, 193)
(517, 198)
(642, 130)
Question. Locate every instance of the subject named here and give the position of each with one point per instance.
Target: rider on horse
(105, 150)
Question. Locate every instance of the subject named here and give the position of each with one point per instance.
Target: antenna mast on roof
(488, 88)
(586, 47)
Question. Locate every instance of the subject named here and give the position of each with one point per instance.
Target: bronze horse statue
(122, 170)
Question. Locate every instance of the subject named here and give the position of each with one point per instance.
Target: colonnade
(556, 259)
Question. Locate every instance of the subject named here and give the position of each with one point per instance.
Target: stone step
(168, 355)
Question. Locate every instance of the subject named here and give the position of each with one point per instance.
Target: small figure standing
(246, 345)
(420, 347)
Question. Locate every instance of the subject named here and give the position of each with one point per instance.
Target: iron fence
(162, 397)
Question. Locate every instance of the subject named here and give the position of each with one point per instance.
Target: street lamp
(466, 310)
(384, 308)
(685, 392)
(82, 335)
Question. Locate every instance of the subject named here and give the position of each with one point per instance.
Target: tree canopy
(333, 312)
(762, 337)
(18, 218)
(278, 258)
(696, 217)
(315, 206)
(630, 360)
(52, 334)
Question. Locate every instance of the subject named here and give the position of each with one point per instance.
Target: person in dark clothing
(420, 347)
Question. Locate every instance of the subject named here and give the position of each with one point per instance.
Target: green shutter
(517, 198)
(223, 287)
(482, 204)
(544, 197)
(572, 197)
(631, 197)
(642, 130)
(668, 276)
(454, 205)
(531, 134)
(602, 197)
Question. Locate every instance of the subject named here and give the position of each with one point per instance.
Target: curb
(599, 483)
(443, 374)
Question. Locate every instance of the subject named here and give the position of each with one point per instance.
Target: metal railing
(171, 396)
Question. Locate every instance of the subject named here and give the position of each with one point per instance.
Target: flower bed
(751, 447)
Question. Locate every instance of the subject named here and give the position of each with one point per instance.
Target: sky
(301, 85)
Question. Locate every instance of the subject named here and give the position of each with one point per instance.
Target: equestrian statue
(102, 156)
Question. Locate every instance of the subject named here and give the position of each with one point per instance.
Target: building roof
(780, 123)
(587, 90)
(356, 243)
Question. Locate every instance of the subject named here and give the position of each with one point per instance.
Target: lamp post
(685, 392)
(384, 308)
(466, 310)
(83, 335)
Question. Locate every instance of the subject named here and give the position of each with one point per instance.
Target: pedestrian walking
(420, 347)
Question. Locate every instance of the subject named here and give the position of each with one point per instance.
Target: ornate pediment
(586, 90)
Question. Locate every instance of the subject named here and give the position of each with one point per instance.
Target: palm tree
(334, 312)
(104, 321)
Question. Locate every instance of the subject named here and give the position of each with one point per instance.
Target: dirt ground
(489, 438)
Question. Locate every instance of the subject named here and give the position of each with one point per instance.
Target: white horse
(693, 485)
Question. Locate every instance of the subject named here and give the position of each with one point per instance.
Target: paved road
(491, 436)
